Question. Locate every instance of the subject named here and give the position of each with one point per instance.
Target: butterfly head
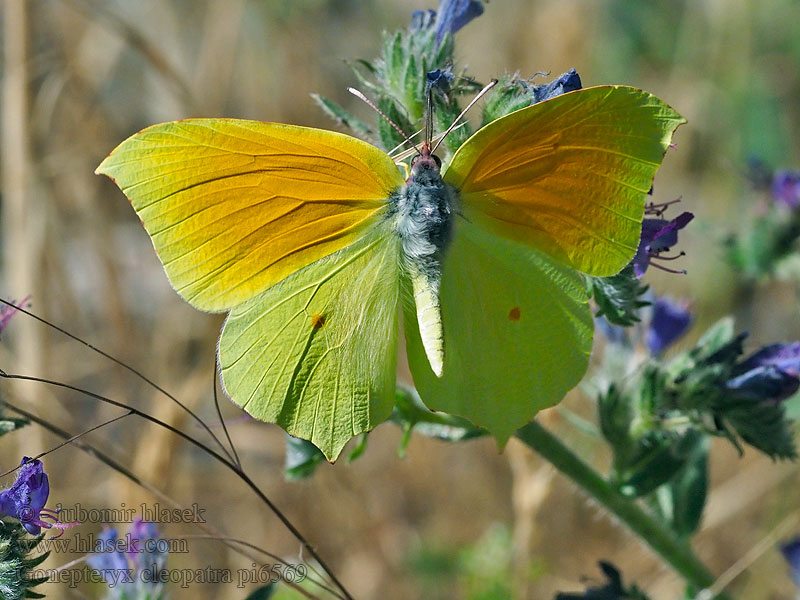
(425, 164)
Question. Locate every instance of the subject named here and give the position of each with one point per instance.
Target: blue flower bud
(772, 373)
(669, 321)
(454, 14)
(568, 82)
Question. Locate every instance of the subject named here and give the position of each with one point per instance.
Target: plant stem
(677, 553)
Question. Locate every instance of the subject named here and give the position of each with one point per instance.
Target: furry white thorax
(422, 213)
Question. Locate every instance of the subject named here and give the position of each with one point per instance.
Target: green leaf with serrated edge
(619, 297)
(762, 425)
(342, 117)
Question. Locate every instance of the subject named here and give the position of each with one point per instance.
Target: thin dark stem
(274, 557)
(67, 441)
(221, 420)
(228, 463)
(110, 462)
(117, 361)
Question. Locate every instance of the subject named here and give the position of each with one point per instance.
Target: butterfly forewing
(235, 206)
(568, 176)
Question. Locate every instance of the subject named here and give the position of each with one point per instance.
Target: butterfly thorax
(422, 211)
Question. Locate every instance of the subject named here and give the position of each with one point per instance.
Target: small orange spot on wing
(317, 321)
(514, 314)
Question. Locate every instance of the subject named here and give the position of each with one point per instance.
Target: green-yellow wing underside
(517, 330)
(235, 206)
(568, 176)
(316, 354)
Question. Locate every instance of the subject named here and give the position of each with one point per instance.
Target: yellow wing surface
(234, 206)
(568, 176)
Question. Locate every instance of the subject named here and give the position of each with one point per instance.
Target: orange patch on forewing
(317, 321)
(514, 314)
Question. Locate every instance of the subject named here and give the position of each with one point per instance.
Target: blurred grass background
(447, 521)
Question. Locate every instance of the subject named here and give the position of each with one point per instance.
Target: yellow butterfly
(316, 244)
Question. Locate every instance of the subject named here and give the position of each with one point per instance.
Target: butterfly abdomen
(422, 218)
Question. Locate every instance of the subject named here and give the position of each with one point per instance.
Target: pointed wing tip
(100, 170)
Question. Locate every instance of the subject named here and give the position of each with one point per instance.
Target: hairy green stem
(675, 552)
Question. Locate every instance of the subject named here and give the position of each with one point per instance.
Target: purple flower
(791, 552)
(568, 82)
(123, 560)
(668, 322)
(786, 189)
(147, 548)
(772, 373)
(658, 236)
(108, 560)
(25, 499)
(454, 14)
(6, 312)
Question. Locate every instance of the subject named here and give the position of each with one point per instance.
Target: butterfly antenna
(429, 119)
(480, 95)
(401, 144)
(371, 104)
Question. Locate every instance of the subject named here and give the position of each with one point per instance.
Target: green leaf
(342, 117)
(412, 415)
(9, 424)
(389, 136)
(360, 448)
(507, 96)
(658, 459)
(717, 337)
(263, 593)
(763, 425)
(689, 490)
(616, 413)
(15, 564)
(618, 297)
(302, 458)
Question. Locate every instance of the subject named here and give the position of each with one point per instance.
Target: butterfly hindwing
(517, 331)
(235, 206)
(316, 354)
(568, 176)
